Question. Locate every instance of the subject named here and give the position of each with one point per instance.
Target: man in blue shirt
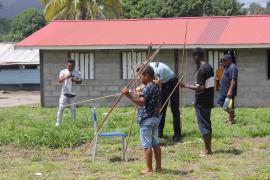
(168, 81)
(228, 85)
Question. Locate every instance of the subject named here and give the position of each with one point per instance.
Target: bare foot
(146, 171)
(158, 170)
(204, 153)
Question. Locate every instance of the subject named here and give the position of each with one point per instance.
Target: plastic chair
(107, 134)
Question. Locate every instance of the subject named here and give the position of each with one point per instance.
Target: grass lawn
(30, 143)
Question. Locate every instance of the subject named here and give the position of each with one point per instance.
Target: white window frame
(85, 63)
(129, 63)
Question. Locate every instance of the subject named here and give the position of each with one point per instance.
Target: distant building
(18, 67)
(102, 50)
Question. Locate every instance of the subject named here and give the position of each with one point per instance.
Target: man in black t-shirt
(204, 97)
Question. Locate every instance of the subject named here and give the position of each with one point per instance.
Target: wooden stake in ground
(183, 63)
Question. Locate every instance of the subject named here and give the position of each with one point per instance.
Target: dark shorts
(221, 100)
(203, 117)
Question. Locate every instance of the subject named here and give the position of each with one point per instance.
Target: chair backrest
(94, 118)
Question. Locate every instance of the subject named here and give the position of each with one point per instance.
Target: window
(129, 63)
(84, 62)
(214, 59)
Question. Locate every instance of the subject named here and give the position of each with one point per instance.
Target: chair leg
(94, 148)
(124, 148)
(126, 153)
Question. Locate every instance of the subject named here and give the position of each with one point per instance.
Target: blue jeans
(149, 132)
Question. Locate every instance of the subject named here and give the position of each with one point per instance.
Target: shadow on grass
(229, 151)
(119, 159)
(168, 141)
(176, 172)
(116, 159)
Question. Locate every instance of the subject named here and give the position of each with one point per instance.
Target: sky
(13, 7)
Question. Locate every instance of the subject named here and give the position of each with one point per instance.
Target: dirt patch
(256, 140)
(13, 152)
(10, 152)
(17, 98)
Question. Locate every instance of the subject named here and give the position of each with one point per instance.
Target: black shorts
(203, 117)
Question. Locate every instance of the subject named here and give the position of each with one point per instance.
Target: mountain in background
(11, 8)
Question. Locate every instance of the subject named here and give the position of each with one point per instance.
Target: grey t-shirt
(230, 72)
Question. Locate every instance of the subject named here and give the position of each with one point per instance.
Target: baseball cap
(227, 57)
(198, 50)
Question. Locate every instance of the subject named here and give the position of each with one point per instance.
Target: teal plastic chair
(107, 134)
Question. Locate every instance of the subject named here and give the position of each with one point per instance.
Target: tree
(4, 26)
(81, 9)
(143, 8)
(226, 8)
(256, 9)
(179, 8)
(25, 24)
(267, 10)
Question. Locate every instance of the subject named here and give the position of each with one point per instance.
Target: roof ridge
(170, 18)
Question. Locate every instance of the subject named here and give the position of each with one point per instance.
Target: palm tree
(81, 9)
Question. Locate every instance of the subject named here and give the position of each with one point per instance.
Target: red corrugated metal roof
(216, 30)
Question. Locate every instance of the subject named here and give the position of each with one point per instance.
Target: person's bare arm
(138, 90)
(140, 101)
(192, 87)
(232, 86)
(62, 78)
(77, 80)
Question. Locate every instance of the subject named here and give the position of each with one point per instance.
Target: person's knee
(205, 130)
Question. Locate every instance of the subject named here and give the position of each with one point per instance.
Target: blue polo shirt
(162, 71)
(230, 72)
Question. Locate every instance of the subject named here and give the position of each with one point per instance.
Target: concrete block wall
(253, 85)
(107, 76)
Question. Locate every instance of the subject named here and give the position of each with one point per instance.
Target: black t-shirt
(204, 98)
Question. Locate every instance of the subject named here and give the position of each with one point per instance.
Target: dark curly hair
(148, 70)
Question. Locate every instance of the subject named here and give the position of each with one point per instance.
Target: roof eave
(190, 46)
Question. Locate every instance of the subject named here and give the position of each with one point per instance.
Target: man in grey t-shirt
(68, 77)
